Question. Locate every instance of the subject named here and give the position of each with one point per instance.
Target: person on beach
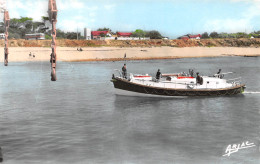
(158, 75)
(124, 71)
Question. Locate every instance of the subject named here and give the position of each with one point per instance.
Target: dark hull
(126, 85)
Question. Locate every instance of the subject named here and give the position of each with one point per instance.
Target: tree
(44, 19)
(2, 29)
(223, 35)
(205, 35)
(103, 35)
(214, 35)
(153, 34)
(60, 34)
(71, 35)
(241, 35)
(48, 37)
(138, 33)
(104, 29)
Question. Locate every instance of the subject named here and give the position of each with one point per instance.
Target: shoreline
(70, 54)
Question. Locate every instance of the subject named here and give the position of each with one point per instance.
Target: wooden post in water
(52, 11)
(6, 25)
(1, 155)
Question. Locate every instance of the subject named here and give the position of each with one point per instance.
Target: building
(87, 33)
(187, 37)
(123, 34)
(108, 35)
(128, 36)
(195, 36)
(100, 35)
(36, 36)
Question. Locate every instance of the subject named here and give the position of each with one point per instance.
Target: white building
(87, 33)
(36, 36)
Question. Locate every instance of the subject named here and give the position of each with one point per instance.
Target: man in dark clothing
(158, 75)
(198, 78)
(219, 71)
(124, 71)
(191, 73)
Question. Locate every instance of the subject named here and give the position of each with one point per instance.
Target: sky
(172, 18)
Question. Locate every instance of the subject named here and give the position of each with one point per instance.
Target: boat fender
(190, 86)
(201, 81)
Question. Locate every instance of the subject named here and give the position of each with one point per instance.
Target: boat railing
(169, 84)
(119, 72)
(165, 84)
(235, 81)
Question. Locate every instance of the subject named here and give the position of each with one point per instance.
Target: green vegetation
(104, 29)
(213, 35)
(25, 25)
(138, 33)
(47, 36)
(153, 35)
(205, 35)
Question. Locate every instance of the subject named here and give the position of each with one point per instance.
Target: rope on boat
(191, 93)
(158, 93)
(146, 91)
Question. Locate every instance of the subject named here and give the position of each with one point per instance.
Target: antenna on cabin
(53, 12)
(6, 26)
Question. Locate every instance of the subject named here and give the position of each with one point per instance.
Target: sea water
(80, 119)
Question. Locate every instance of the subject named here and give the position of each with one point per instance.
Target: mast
(52, 11)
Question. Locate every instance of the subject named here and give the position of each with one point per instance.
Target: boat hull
(124, 84)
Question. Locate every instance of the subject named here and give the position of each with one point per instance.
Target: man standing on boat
(219, 71)
(124, 71)
(158, 75)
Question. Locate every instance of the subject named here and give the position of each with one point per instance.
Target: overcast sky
(171, 17)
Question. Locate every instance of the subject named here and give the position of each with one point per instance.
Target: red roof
(124, 33)
(194, 36)
(97, 33)
(185, 38)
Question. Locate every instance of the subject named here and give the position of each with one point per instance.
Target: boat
(177, 84)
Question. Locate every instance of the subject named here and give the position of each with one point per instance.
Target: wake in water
(257, 92)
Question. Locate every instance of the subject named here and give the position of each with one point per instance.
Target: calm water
(79, 119)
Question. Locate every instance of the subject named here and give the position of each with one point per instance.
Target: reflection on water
(79, 119)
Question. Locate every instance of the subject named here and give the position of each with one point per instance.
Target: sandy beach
(21, 54)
